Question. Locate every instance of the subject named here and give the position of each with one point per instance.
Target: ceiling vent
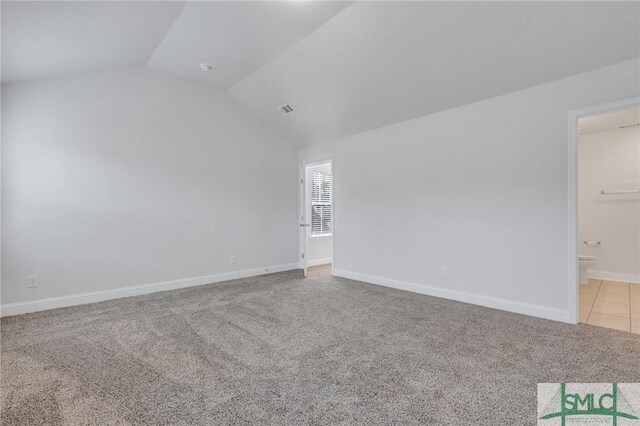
(628, 126)
(286, 109)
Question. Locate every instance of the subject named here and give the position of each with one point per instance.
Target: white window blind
(321, 199)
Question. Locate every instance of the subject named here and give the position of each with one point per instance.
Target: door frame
(572, 192)
(302, 210)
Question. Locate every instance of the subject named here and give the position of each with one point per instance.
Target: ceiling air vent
(628, 126)
(286, 109)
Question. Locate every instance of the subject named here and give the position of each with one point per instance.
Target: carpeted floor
(279, 349)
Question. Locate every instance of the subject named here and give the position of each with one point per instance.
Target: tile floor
(610, 304)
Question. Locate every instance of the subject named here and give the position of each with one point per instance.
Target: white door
(304, 221)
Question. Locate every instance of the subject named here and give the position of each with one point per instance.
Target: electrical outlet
(234, 260)
(32, 281)
(415, 268)
(444, 270)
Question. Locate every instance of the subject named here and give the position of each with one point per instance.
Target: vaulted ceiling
(345, 67)
(50, 38)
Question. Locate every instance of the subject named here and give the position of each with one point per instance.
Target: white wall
(131, 177)
(481, 189)
(610, 160)
(319, 249)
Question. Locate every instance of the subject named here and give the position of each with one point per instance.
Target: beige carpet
(280, 349)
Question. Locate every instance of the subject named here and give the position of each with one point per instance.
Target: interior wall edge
(30, 306)
(615, 276)
(318, 262)
(460, 296)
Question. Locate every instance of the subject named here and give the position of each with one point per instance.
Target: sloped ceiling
(378, 63)
(49, 38)
(236, 38)
(344, 67)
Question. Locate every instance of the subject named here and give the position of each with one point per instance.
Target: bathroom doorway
(607, 245)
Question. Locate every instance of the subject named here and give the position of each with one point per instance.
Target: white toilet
(584, 262)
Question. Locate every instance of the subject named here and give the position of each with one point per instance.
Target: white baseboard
(117, 293)
(318, 262)
(615, 276)
(490, 302)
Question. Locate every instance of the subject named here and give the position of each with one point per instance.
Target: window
(320, 204)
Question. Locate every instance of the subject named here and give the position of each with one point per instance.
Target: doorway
(604, 217)
(317, 231)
